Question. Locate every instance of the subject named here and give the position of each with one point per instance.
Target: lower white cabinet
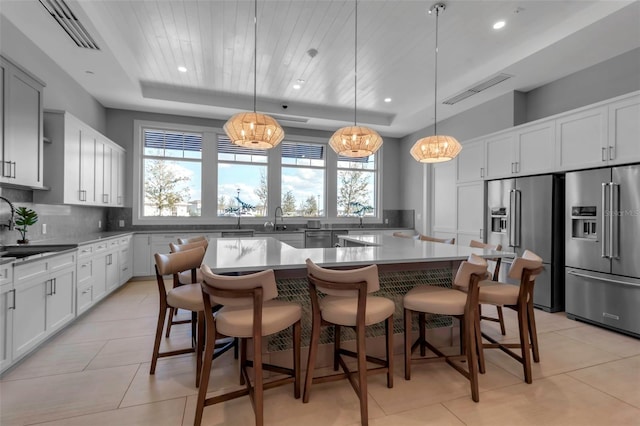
(141, 255)
(7, 304)
(44, 300)
(125, 257)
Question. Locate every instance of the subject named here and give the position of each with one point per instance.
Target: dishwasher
(317, 239)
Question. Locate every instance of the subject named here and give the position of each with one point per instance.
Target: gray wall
(120, 130)
(61, 91)
(608, 79)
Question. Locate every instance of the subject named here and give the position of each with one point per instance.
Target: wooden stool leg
(199, 346)
(210, 345)
(362, 376)
(533, 333)
(422, 324)
(337, 335)
(162, 314)
(389, 335)
(477, 334)
(313, 351)
(258, 388)
(470, 348)
(501, 321)
(407, 344)
(170, 321)
(297, 333)
(243, 358)
(523, 328)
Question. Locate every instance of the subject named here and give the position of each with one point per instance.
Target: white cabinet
(120, 177)
(84, 296)
(444, 197)
(501, 152)
(125, 257)
(582, 139)
(44, 300)
(470, 211)
(80, 164)
(624, 130)
(7, 305)
(142, 255)
(471, 162)
(535, 149)
(21, 144)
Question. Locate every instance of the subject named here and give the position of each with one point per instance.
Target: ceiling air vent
(289, 118)
(484, 85)
(68, 21)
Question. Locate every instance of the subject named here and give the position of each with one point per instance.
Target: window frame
(274, 176)
(325, 196)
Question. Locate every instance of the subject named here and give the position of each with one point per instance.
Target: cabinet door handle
(55, 285)
(82, 195)
(4, 173)
(50, 282)
(604, 154)
(482, 172)
(612, 153)
(481, 233)
(13, 306)
(105, 198)
(517, 167)
(13, 175)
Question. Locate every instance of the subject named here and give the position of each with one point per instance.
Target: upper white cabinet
(501, 152)
(624, 131)
(582, 139)
(444, 192)
(535, 147)
(83, 166)
(471, 162)
(20, 127)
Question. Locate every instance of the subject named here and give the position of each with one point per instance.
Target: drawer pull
(13, 306)
(87, 290)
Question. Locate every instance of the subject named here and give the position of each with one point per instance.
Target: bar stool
(188, 297)
(347, 303)
(496, 273)
(250, 311)
(192, 239)
(192, 276)
(446, 301)
(437, 240)
(520, 299)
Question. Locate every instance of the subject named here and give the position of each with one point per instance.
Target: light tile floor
(96, 372)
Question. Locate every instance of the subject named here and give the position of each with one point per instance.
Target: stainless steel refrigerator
(528, 214)
(602, 273)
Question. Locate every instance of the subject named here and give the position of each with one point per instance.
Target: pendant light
(252, 129)
(436, 148)
(355, 141)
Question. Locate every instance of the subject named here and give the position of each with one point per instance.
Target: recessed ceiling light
(182, 69)
(498, 25)
(89, 72)
(301, 81)
(387, 100)
(296, 86)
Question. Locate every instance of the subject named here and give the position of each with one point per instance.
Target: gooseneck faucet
(275, 219)
(11, 223)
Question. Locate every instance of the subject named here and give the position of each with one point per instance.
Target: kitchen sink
(22, 251)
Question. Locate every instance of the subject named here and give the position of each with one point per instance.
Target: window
(303, 179)
(242, 180)
(172, 169)
(356, 192)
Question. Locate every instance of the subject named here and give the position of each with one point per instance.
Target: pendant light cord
(255, 52)
(435, 92)
(355, 77)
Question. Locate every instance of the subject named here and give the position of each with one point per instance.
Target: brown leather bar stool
(347, 303)
(520, 299)
(437, 240)
(250, 311)
(192, 239)
(188, 297)
(192, 276)
(496, 273)
(447, 301)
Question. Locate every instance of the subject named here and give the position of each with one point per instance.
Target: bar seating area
(250, 308)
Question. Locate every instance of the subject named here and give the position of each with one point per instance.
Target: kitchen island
(403, 263)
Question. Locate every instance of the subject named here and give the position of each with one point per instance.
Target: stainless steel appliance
(602, 273)
(317, 239)
(528, 214)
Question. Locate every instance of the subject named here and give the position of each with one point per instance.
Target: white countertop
(259, 253)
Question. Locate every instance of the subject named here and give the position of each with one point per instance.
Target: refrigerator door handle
(614, 220)
(603, 227)
(514, 228)
(609, 280)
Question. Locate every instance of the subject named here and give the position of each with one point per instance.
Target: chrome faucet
(275, 219)
(11, 223)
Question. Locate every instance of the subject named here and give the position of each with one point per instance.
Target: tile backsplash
(62, 221)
